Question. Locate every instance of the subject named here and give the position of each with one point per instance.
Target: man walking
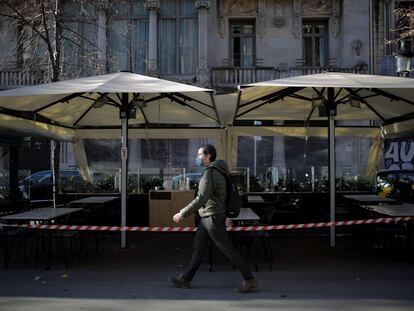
(210, 205)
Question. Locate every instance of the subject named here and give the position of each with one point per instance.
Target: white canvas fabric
(381, 98)
(71, 103)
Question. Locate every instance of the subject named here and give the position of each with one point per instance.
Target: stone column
(152, 7)
(102, 38)
(203, 77)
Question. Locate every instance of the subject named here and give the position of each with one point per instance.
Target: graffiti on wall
(399, 154)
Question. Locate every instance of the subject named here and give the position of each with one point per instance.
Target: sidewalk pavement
(307, 275)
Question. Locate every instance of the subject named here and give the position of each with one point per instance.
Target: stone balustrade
(10, 79)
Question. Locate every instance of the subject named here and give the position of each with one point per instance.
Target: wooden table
(98, 209)
(94, 200)
(43, 215)
(368, 198)
(246, 217)
(255, 199)
(399, 210)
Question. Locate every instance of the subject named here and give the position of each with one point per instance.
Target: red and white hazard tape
(192, 229)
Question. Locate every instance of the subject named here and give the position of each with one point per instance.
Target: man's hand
(177, 218)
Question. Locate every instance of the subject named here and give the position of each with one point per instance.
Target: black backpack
(233, 201)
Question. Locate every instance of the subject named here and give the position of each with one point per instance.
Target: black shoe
(179, 282)
(246, 286)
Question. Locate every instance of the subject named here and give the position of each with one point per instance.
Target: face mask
(198, 161)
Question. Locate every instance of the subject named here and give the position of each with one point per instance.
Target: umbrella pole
(332, 170)
(124, 166)
(332, 177)
(52, 166)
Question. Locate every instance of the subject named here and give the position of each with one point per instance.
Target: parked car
(396, 184)
(39, 186)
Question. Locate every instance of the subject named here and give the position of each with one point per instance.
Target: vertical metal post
(226, 145)
(256, 138)
(52, 167)
(313, 178)
(124, 164)
(255, 157)
(331, 109)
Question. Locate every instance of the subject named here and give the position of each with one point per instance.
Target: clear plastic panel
(4, 187)
(240, 176)
(300, 164)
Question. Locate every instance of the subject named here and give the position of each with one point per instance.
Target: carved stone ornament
(261, 22)
(202, 4)
(249, 8)
(297, 18)
(221, 12)
(310, 7)
(102, 5)
(279, 19)
(152, 5)
(152, 68)
(242, 7)
(336, 13)
(316, 8)
(356, 47)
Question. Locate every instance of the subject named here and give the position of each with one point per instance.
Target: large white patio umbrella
(335, 96)
(111, 101)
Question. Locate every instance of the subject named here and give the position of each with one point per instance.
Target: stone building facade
(217, 43)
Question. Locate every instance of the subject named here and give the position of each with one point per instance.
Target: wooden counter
(164, 204)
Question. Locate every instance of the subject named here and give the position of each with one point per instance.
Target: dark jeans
(215, 228)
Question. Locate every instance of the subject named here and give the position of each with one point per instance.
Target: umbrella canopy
(120, 100)
(94, 102)
(357, 97)
(332, 96)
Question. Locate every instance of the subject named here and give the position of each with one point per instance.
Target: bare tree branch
(40, 23)
(79, 35)
(24, 20)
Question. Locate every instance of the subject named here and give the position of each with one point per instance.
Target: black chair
(15, 239)
(86, 217)
(248, 240)
(257, 240)
(266, 217)
(390, 240)
(65, 241)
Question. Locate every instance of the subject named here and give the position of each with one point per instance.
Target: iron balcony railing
(221, 77)
(233, 76)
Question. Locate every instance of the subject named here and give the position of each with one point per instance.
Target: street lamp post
(403, 58)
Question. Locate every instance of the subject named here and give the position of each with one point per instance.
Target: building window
(315, 43)
(242, 43)
(128, 36)
(80, 37)
(178, 37)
